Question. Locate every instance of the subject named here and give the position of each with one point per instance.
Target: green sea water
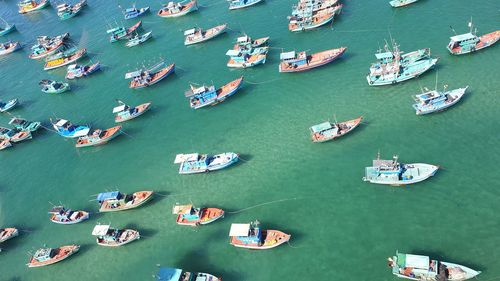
(342, 228)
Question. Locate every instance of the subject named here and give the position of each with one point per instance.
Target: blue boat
(5, 106)
(204, 96)
(239, 4)
(200, 163)
(175, 274)
(66, 11)
(133, 12)
(7, 28)
(247, 57)
(434, 101)
(66, 129)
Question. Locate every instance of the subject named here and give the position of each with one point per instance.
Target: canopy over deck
(190, 32)
(42, 254)
(287, 55)
(179, 158)
(100, 230)
(133, 74)
(415, 261)
(233, 53)
(386, 55)
(119, 108)
(239, 229)
(108, 195)
(181, 209)
(383, 163)
(168, 274)
(321, 127)
(242, 39)
(427, 96)
(462, 37)
(61, 122)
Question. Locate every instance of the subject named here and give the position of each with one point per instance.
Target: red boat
(251, 236)
(188, 215)
(296, 62)
(469, 42)
(148, 77)
(328, 131)
(47, 256)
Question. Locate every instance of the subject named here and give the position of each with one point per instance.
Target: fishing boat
(116, 201)
(14, 135)
(198, 35)
(470, 42)
(124, 112)
(240, 4)
(247, 58)
(304, 7)
(146, 77)
(138, 39)
(61, 215)
(245, 42)
(5, 143)
(133, 12)
(392, 67)
(118, 33)
(251, 236)
(201, 163)
(203, 96)
(401, 3)
(67, 11)
(47, 45)
(24, 125)
(394, 173)
(64, 60)
(98, 137)
(327, 131)
(175, 274)
(54, 87)
(8, 233)
(435, 101)
(300, 61)
(27, 6)
(189, 215)
(66, 129)
(309, 18)
(9, 47)
(79, 71)
(417, 267)
(110, 237)
(5, 106)
(6, 28)
(178, 9)
(48, 256)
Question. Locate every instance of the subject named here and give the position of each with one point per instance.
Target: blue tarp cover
(108, 195)
(169, 274)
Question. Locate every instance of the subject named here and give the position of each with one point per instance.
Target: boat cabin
(323, 127)
(386, 57)
(43, 254)
(63, 8)
(195, 160)
(243, 40)
(110, 197)
(65, 124)
(247, 233)
(191, 32)
(417, 265)
(104, 232)
(387, 166)
(293, 58)
(121, 108)
(463, 40)
(187, 212)
(429, 97)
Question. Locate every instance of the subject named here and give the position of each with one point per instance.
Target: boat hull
(9, 105)
(11, 233)
(140, 110)
(235, 7)
(218, 213)
(191, 6)
(7, 29)
(352, 123)
(142, 11)
(160, 75)
(57, 63)
(426, 169)
(430, 63)
(136, 236)
(111, 133)
(397, 4)
(148, 195)
(72, 249)
(214, 32)
(42, 4)
(84, 216)
(457, 96)
(274, 238)
(331, 55)
(233, 158)
(485, 41)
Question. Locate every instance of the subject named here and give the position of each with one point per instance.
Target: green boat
(24, 125)
(7, 28)
(66, 11)
(54, 87)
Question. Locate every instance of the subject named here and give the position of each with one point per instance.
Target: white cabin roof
(239, 229)
(242, 39)
(179, 158)
(119, 108)
(181, 209)
(61, 122)
(287, 55)
(462, 37)
(232, 53)
(190, 32)
(100, 230)
(417, 261)
(428, 96)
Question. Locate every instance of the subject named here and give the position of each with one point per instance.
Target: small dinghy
(201, 163)
(172, 10)
(9, 47)
(198, 35)
(79, 71)
(66, 11)
(175, 274)
(66, 129)
(138, 39)
(296, 62)
(53, 87)
(47, 256)
(417, 267)
(14, 135)
(27, 6)
(203, 96)
(61, 215)
(133, 12)
(8, 233)
(124, 112)
(24, 125)
(5, 106)
(98, 137)
(328, 131)
(251, 236)
(146, 77)
(110, 237)
(189, 215)
(116, 201)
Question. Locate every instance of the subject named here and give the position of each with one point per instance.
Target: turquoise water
(342, 228)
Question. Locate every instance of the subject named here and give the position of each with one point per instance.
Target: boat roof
(463, 37)
(232, 53)
(179, 158)
(415, 261)
(287, 55)
(56, 209)
(427, 96)
(133, 74)
(379, 163)
(119, 108)
(182, 209)
(73, 66)
(42, 253)
(130, 10)
(61, 122)
(239, 229)
(190, 31)
(100, 229)
(385, 55)
(108, 195)
(242, 39)
(168, 274)
(321, 127)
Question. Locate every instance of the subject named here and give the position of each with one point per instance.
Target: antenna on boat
(335, 118)
(378, 154)
(453, 30)
(470, 25)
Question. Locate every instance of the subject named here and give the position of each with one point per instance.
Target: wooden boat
(245, 42)
(296, 62)
(54, 87)
(117, 201)
(79, 71)
(435, 101)
(9, 47)
(203, 96)
(66, 11)
(417, 267)
(147, 77)
(8, 233)
(48, 256)
(14, 135)
(247, 58)
(392, 172)
(175, 274)
(189, 215)
(138, 39)
(251, 236)
(401, 3)
(65, 60)
(470, 42)
(109, 237)
(118, 33)
(310, 19)
(240, 4)
(24, 125)
(328, 131)
(133, 12)
(61, 215)
(5, 143)
(198, 35)
(6, 28)
(47, 46)
(307, 7)
(172, 9)
(27, 6)
(124, 112)
(66, 129)
(98, 137)
(5, 106)
(201, 163)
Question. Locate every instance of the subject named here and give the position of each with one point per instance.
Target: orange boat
(328, 131)
(26, 6)
(172, 10)
(117, 201)
(251, 236)
(65, 60)
(296, 62)
(148, 77)
(188, 215)
(47, 256)
(8, 233)
(98, 137)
